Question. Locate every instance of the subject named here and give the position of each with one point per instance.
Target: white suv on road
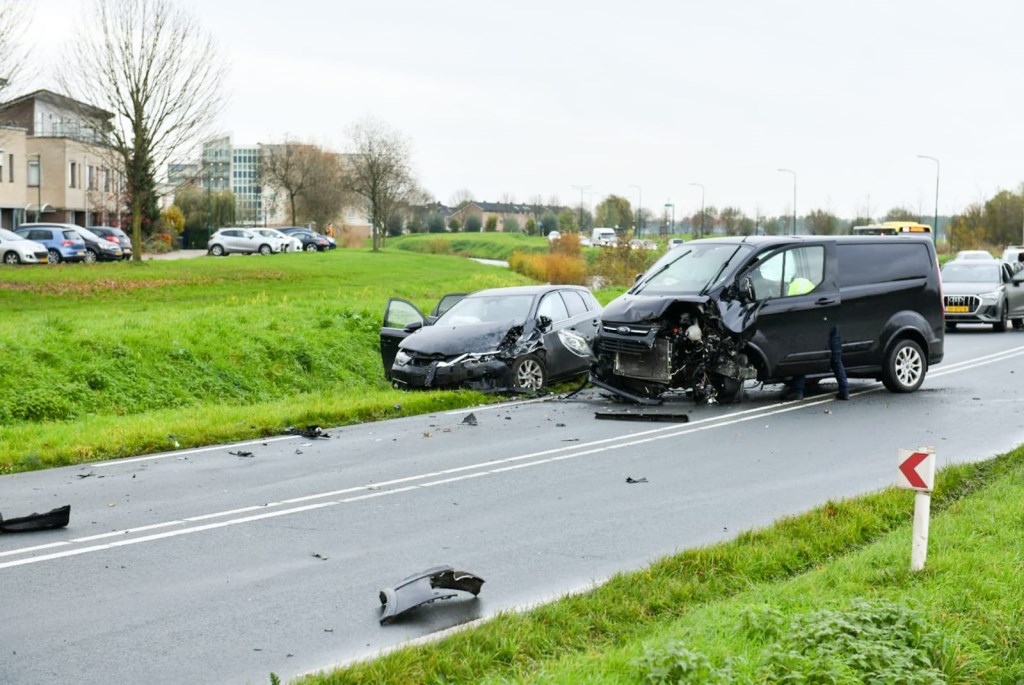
(240, 240)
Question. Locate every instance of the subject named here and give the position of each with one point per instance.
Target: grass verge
(480, 245)
(825, 597)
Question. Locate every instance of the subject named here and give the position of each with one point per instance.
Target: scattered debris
(635, 480)
(423, 588)
(298, 451)
(641, 415)
(559, 425)
(85, 475)
(242, 453)
(55, 518)
(398, 407)
(426, 434)
(570, 440)
(470, 420)
(317, 555)
(311, 432)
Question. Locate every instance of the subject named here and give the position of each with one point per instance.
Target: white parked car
(285, 243)
(17, 250)
(241, 241)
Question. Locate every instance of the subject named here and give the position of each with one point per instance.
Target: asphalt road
(201, 566)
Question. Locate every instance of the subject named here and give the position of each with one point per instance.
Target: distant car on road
(15, 249)
(982, 291)
(62, 244)
(311, 240)
(1012, 253)
(115, 235)
(240, 241)
(974, 254)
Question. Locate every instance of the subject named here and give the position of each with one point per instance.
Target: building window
(106, 179)
(90, 177)
(33, 173)
(72, 174)
(1, 165)
(10, 168)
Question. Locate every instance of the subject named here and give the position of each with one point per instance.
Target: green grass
(825, 597)
(109, 360)
(480, 245)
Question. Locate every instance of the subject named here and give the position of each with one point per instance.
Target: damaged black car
(713, 314)
(492, 340)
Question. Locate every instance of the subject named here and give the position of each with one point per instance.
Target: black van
(711, 314)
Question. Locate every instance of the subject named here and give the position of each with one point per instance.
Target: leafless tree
(149, 63)
(379, 172)
(461, 197)
(325, 196)
(290, 167)
(13, 16)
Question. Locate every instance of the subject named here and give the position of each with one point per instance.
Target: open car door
(402, 319)
(444, 304)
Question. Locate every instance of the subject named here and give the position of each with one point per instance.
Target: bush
(435, 223)
(557, 268)
(511, 225)
(454, 225)
(473, 223)
(492, 224)
(619, 264)
(568, 244)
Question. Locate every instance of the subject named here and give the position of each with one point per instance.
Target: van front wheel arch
(905, 367)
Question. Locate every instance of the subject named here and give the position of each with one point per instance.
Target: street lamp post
(938, 166)
(582, 189)
(790, 171)
(39, 183)
(639, 210)
(701, 207)
(672, 226)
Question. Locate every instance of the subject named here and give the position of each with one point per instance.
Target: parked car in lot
(240, 241)
(96, 248)
(15, 249)
(981, 291)
(974, 254)
(286, 243)
(311, 240)
(497, 339)
(115, 235)
(62, 244)
(714, 313)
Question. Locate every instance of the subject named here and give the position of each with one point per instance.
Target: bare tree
(290, 167)
(149, 63)
(379, 172)
(13, 56)
(325, 196)
(460, 197)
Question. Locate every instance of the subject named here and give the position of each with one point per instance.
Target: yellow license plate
(957, 310)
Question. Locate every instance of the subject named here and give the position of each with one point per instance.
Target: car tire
(90, 257)
(1004, 318)
(905, 367)
(53, 256)
(217, 250)
(12, 259)
(265, 249)
(950, 326)
(311, 247)
(528, 373)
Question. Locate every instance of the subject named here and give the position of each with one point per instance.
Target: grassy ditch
(825, 597)
(480, 245)
(110, 360)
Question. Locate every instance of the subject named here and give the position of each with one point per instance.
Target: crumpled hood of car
(641, 308)
(968, 288)
(449, 341)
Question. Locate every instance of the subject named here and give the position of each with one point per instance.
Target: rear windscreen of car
(71, 235)
(878, 263)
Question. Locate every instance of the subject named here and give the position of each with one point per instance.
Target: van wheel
(1004, 318)
(905, 367)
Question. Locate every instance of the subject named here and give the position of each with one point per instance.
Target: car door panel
(398, 315)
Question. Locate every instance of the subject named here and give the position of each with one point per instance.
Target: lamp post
(39, 182)
(582, 189)
(672, 226)
(790, 171)
(639, 210)
(701, 207)
(938, 166)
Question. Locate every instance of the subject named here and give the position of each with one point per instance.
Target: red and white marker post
(917, 472)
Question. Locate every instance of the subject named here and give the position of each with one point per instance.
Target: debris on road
(311, 432)
(635, 480)
(56, 518)
(423, 588)
(317, 555)
(242, 453)
(642, 415)
(470, 420)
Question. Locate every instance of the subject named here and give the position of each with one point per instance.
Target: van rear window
(881, 263)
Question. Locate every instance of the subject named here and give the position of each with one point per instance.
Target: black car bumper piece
(468, 371)
(55, 518)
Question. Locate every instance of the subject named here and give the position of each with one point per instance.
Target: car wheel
(90, 257)
(1004, 318)
(528, 373)
(12, 258)
(53, 256)
(905, 367)
(311, 247)
(950, 326)
(265, 249)
(217, 250)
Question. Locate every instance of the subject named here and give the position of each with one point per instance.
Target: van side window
(796, 271)
(882, 262)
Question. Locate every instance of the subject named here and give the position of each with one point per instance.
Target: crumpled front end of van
(649, 346)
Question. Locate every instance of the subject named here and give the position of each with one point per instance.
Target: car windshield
(692, 268)
(487, 309)
(8, 235)
(966, 271)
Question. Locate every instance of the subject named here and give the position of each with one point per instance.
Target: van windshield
(692, 268)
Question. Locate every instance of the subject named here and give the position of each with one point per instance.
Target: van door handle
(822, 301)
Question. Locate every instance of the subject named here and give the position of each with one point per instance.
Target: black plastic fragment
(430, 585)
(311, 432)
(470, 420)
(640, 415)
(241, 453)
(56, 518)
(635, 480)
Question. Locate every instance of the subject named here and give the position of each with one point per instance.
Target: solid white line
(195, 450)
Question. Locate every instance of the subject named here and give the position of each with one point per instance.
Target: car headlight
(401, 359)
(575, 343)
(991, 297)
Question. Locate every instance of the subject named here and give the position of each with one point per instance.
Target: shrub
(619, 264)
(568, 244)
(473, 223)
(559, 268)
(438, 246)
(492, 224)
(511, 225)
(435, 223)
(454, 225)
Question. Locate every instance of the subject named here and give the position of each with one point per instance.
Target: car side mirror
(413, 327)
(638, 277)
(543, 323)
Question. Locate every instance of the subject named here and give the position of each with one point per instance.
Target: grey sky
(531, 98)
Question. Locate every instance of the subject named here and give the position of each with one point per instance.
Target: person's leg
(794, 388)
(836, 345)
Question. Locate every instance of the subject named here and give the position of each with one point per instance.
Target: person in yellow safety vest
(799, 286)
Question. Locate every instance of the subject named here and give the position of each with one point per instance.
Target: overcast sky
(533, 98)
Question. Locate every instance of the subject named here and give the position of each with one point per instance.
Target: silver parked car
(286, 243)
(982, 291)
(240, 241)
(15, 249)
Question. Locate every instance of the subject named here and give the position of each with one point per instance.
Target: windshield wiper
(637, 286)
(718, 274)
